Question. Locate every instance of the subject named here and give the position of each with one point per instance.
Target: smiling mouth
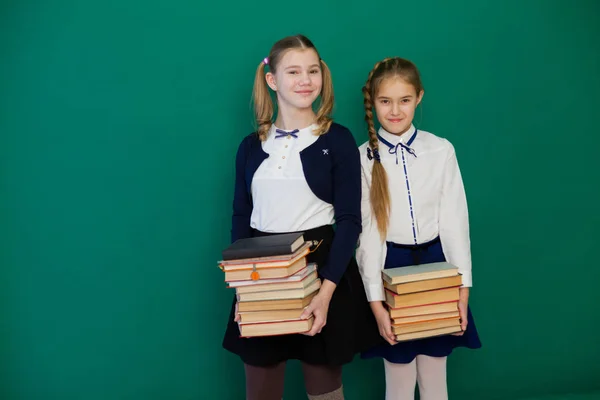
(396, 120)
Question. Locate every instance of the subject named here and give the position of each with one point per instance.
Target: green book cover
(417, 272)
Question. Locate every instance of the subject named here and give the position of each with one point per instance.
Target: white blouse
(282, 199)
(427, 200)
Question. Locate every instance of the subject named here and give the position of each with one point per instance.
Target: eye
(292, 72)
(314, 71)
(384, 101)
(406, 100)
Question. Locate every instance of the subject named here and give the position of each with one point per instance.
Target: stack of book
(423, 300)
(273, 283)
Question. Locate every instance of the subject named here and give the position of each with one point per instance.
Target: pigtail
(263, 105)
(380, 196)
(324, 119)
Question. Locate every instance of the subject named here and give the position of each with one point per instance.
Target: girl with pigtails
(300, 172)
(414, 211)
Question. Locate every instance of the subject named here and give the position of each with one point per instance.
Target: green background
(119, 121)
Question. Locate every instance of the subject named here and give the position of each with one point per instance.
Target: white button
(279, 167)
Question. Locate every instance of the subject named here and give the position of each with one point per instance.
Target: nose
(395, 108)
(305, 78)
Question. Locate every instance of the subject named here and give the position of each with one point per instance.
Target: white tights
(429, 372)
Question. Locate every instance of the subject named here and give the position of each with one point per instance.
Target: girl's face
(298, 80)
(395, 104)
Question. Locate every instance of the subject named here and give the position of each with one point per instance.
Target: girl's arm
(454, 219)
(242, 206)
(371, 250)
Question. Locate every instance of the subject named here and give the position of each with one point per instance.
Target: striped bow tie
(281, 133)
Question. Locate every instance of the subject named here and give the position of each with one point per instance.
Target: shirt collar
(395, 139)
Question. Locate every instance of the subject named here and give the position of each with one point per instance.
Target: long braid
(379, 194)
(373, 142)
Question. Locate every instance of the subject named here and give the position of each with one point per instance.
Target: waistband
(420, 246)
(319, 231)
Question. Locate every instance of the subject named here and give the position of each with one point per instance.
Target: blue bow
(282, 133)
(373, 154)
(394, 149)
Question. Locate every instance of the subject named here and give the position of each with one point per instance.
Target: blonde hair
(385, 69)
(263, 105)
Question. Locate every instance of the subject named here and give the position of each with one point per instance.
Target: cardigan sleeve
(346, 181)
(242, 204)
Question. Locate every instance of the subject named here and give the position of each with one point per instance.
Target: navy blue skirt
(351, 327)
(440, 346)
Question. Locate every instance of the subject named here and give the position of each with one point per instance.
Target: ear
(270, 78)
(420, 97)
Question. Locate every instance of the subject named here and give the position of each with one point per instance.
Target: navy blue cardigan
(332, 169)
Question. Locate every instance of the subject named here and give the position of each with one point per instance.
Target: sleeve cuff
(467, 279)
(375, 292)
(326, 274)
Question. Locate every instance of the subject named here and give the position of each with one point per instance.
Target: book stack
(423, 300)
(273, 283)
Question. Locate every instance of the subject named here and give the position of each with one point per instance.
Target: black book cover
(264, 246)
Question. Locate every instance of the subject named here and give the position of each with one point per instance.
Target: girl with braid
(300, 172)
(414, 211)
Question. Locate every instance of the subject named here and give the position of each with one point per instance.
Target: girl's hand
(463, 304)
(384, 322)
(236, 315)
(319, 306)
